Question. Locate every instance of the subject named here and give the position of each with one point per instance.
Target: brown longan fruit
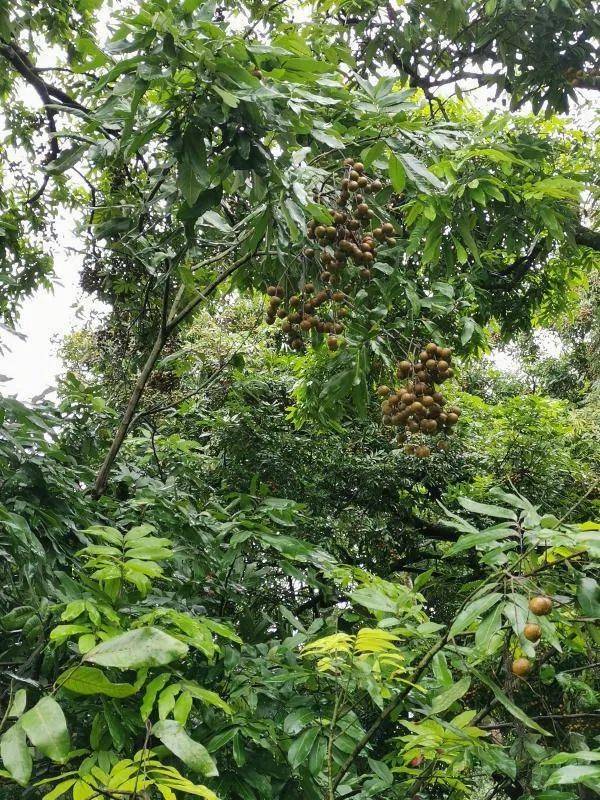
(387, 228)
(443, 366)
(332, 343)
(405, 366)
(306, 324)
(359, 166)
(423, 451)
(431, 348)
(451, 419)
(540, 605)
(383, 391)
(521, 667)
(362, 209)
(281, 313)
(379, 234)
(320, 231)
(376, 186)
(309, 288)
(365, 273)
(257, 73)
(532, 631)
(363, 182)
(391, 241)
(453, 410)
(412, 426)
(352, 185)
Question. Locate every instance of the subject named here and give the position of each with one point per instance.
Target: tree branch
(586, 237)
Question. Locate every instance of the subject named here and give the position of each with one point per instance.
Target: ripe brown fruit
(376, 186)
(320, 231)
(532, 631)
(352, 186)
(521, 667)
(540, 605)
(379, 234)
(281, 313)
(451, 419)
(309, 288)
(297, 344)
(325, 276)
(365, 273)
(349, 162)
(383, 391)
(332, 342)
(359, 167)
(306, 324)
(391, 241)
(431, 348)
(257, 73)
(443, 366)
(363, 182)
(362, 209)
(338, 296)
(405, 366)
(271, 291)
(423, 451)
(387, 228)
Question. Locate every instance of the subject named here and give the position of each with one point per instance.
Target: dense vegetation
(285, 531)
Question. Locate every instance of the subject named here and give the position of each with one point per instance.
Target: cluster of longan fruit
(418, 406)
(540, 605)
(349, 243)
(343, 251)
(306, 311)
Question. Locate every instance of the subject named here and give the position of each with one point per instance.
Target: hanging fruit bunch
(418, 406)
(341, 254)
(540, 606)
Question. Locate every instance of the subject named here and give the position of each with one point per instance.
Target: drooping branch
(586, 237)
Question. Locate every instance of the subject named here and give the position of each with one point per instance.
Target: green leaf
(575, 773)
(397, 174)
(67, 159)
(470, 613)
(488, 628)
(141, 647)
(297, 720)
(19, 702)
(91, 680)
(451, 695)
(60, 789)
(517, 712)
(301, 747)
(588, 596)
(46, 728)
(486, 509)
(193, 754)
(206, 696)
(15, 754)
(470, 540)
(152, 689)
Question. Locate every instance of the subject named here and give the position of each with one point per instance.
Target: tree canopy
(284, 530)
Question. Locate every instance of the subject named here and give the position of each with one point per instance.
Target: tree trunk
(102, 477)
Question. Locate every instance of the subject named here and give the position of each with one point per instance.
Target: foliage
(219, 576)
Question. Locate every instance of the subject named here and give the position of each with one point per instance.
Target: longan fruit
(521, 667)
(532, 631)
(383, 391)
(540, 605)
(332, 342)
(423, 451)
